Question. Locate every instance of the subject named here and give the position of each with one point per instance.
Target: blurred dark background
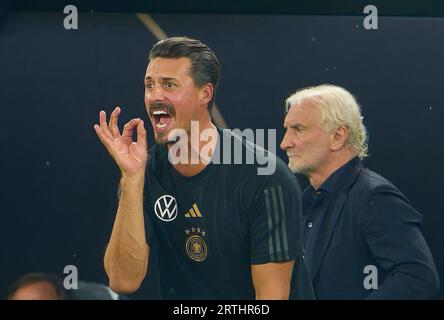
(58, 184)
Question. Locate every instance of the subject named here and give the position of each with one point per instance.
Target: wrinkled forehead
(302, 112)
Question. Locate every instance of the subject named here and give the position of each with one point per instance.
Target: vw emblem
(166, 208)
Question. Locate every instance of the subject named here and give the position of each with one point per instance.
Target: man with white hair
(361, 235)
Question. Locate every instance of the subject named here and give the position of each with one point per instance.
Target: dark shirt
(218, 223)
(314, 203)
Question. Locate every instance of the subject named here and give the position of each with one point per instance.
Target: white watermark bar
(233, 147)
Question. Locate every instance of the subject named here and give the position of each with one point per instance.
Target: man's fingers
(113, 120)
(128, 128)
(102, 136)
(104, 126)
(141, 135)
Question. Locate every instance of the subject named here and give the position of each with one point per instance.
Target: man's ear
(206, 93)
(339, 138)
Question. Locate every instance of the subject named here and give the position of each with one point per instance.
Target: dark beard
(165, 141)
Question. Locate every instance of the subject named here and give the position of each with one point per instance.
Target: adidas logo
(194, 212)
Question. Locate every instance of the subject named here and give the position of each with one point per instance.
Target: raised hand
(130, 156)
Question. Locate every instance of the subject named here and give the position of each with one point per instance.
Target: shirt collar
(330, 183)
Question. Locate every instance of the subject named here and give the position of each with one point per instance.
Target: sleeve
(392, 231)
(275, 223)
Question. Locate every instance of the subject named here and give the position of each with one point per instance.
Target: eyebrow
(295, 125)
(163, 79)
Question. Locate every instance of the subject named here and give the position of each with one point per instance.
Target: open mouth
(161, 117)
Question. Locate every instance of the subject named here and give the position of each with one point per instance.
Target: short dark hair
(36, 277)
(204, 64)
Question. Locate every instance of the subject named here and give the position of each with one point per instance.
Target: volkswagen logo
(166, 208)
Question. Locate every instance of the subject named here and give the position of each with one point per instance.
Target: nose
(286, 142)
(156, 94)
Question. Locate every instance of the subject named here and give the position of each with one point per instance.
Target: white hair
(338, 108)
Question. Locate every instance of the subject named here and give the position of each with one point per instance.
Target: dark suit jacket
(370, 222)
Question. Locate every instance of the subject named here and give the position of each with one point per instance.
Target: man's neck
(199, 152)
(321, 174)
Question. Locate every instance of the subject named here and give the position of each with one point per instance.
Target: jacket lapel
(333, 212)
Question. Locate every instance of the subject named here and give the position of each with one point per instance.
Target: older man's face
(306, 143)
